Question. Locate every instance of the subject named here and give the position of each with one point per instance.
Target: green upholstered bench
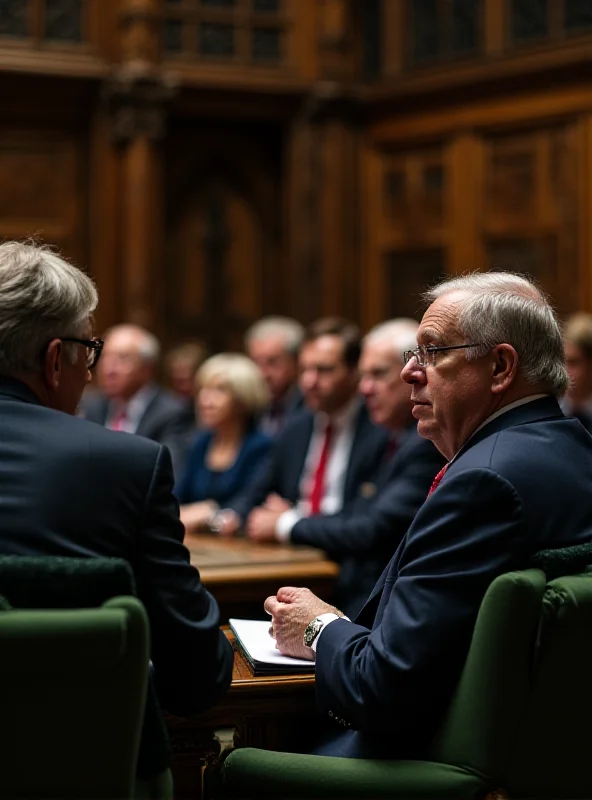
(514, 724)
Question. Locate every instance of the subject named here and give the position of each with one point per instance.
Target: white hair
(401, 332)
(148, 344)
(42, 297)
(239, 375)
(503, 307)
(289, 329)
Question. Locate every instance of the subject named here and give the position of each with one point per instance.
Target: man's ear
(505, 366)
(53, 362)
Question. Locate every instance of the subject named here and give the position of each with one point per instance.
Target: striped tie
(438, 478)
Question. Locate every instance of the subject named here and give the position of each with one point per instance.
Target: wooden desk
(241, 574)
(257, 711)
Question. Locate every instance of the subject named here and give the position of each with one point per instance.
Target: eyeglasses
(94, 348)
(426, 355)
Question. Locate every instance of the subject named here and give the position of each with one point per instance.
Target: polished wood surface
(241, 574)
(257, 711)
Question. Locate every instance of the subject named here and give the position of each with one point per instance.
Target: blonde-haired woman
(227, 451)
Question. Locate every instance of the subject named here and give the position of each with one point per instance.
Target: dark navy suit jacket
(198, 482)
(281, 474)
(167, 420)
(521, 484)
(69, 487)
(364, 537)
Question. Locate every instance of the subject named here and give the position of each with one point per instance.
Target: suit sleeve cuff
(285, 523)
(326, 619)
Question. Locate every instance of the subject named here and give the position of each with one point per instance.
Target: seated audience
(325, 453)
(180, 367)
(225, 455)
(273, 344)
(130, 400)
(485, 378)
(577, 340)
(364, 538)
(72, 488)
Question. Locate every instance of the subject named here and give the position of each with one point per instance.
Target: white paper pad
(255, 639)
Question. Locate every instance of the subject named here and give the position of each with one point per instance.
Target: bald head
(128, 362)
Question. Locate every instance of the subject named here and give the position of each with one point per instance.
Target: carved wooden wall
(222, 258)
(210, 161)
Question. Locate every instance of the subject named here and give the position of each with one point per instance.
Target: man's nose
(412, 372)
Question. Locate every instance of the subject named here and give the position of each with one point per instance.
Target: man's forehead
(380, 351)
(441, 318)
(123, 340)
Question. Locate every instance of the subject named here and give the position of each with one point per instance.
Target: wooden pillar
(323, 206)
(323, 171)
(584, 202)
(137, 95)
(464, 201)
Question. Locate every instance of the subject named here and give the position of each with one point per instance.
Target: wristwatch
(312, 630)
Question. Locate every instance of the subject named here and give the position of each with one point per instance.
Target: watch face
(312, 630)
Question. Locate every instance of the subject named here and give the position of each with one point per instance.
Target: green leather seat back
(72, 693)
(491, 698)
(551, 753)
(63, 582)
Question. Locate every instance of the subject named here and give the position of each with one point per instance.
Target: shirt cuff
(284, 524)
(326, 619)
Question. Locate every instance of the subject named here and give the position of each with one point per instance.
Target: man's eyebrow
(429, 335)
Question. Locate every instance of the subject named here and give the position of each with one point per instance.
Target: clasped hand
(291, 610)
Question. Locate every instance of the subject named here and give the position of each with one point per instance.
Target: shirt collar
(516, 404)
(340, 419)
(139, 402)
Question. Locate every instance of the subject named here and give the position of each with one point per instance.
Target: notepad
(252, 636)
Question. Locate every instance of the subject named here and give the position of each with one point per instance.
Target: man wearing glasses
(73, 488)
(486, 377)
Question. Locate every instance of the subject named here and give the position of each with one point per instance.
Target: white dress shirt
(343, 423)
(135, 409)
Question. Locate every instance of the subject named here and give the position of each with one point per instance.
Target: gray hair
(510, 308)
(148, 344)
(401, 332)
(289, 329)
(42, 297)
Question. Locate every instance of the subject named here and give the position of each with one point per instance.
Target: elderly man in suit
(364, 537)
(130, 400)
(325, 453)
(72, 488)
(485, 378)
(273, 343)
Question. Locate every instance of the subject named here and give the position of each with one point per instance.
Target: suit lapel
(298, 445)
(537, 410)
(364, 435)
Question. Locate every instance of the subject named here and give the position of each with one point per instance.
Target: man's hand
(274, 502)
(291, 610)
(261, 524)
(195, 516)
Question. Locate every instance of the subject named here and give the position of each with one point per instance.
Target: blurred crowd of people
(306, 437)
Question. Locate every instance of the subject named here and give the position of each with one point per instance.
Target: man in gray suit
(130, 399)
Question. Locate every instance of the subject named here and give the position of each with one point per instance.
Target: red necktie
(116, 423)
(318, 481)
(438, 478)
(390, 449)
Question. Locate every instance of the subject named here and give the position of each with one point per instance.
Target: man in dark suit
(325, 453)
(485, 381)
(130, 400)
(72, 488)
(363, 537)
(273, 343)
